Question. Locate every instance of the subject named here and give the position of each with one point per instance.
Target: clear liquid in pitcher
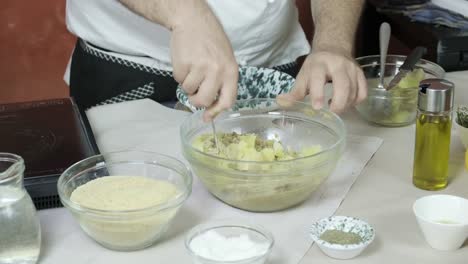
(20, 235)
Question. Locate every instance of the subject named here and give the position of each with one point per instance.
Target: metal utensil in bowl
(408, 66)
(384, 38)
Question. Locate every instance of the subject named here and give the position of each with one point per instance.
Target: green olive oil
(432, 150)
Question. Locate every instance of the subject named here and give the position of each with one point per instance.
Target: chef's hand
(321, 66)
(203, 61)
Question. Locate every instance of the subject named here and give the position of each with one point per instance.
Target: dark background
(35, 44)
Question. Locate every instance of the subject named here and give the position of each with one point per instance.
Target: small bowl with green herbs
(461, 124)
(342, 237)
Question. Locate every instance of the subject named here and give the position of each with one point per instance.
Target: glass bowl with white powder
(229, 242)
(125, 200)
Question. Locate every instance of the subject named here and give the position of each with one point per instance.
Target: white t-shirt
(262, 32)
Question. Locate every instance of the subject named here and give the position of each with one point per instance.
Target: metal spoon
(384, 38)
(215, 136)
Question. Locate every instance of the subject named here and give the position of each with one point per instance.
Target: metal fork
(215, 136)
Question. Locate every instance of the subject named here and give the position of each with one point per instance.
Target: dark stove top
(50, 136)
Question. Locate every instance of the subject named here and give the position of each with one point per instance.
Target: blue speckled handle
(253, 83)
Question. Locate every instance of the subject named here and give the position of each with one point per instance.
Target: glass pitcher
(20, 233)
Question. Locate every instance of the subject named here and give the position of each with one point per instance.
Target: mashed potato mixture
(249, 147)
(267, 183)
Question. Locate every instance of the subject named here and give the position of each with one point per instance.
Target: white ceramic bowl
(346, 224)
(462, 132)
(443, 220)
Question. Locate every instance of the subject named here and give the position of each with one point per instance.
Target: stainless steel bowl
(396, 107)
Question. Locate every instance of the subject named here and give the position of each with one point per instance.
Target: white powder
(213, 246)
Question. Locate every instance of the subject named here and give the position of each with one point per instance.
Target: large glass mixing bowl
(275, 185)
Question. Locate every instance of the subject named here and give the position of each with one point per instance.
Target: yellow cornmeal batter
(123, 193)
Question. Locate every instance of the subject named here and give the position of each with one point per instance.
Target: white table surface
(149, 126)
(384, 194)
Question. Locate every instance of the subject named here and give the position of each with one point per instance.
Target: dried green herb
(462, 116)
(334, 236)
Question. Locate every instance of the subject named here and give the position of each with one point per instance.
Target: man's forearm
(168, 13)
(335, 23)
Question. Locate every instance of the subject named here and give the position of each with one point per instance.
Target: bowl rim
(241, 224)
(341, 135)
(438, 72)
(174, 202)
(316, 237)
(387, 94)
(397, 56)
(411, 93)
(420, 200)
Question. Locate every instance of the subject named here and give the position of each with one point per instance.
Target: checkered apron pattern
(97, 78)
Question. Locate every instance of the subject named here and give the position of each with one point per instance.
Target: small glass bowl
(226, 228)
(396, 107)
(129, 229)
(346, 224)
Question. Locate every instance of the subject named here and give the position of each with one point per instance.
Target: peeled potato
(412, 79)
(248, 147)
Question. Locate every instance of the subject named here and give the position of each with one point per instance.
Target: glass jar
(433, 132)
(20, 233)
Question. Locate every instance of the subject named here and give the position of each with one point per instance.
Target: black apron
(97, 78)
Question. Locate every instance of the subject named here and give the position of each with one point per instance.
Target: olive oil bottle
(433, 131)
